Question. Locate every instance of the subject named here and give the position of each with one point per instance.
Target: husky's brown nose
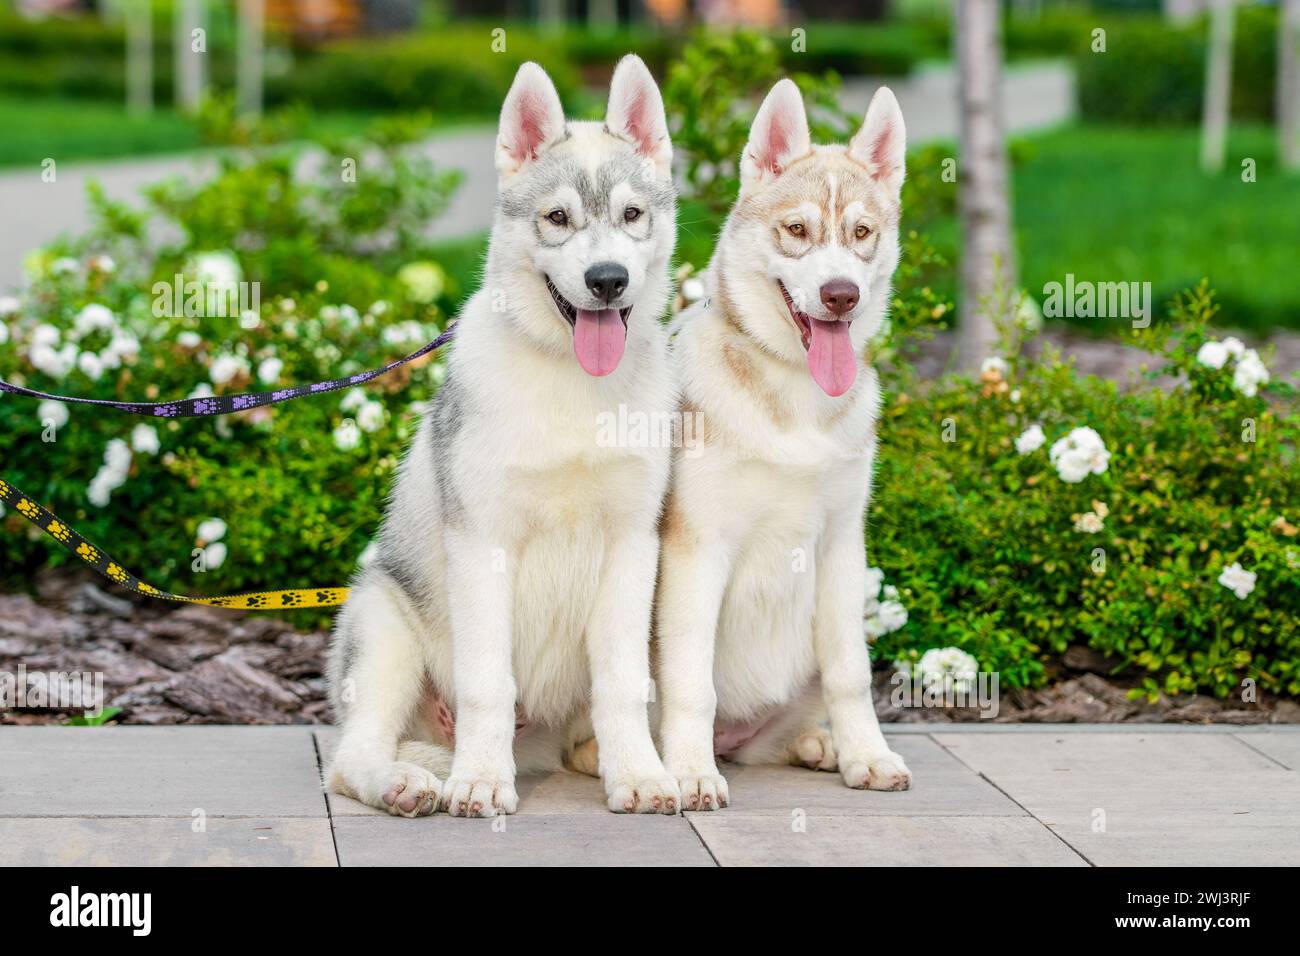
(840, 296)
(606, 280)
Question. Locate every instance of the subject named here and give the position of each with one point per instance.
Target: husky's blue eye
(559, 217)
(631, 214)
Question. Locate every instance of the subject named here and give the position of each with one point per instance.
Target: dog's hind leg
(377, 675)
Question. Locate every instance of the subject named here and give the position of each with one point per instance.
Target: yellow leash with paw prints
(95, 557)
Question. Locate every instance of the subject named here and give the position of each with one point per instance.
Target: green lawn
(65, 130)
(1125, 204)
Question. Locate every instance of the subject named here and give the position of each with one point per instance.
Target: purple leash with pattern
(225, 404)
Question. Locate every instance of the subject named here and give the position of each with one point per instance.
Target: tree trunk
(139, 57)
(190, 15)
(1288, 84)
(988, 271)
(1218, 86)
(250, 50)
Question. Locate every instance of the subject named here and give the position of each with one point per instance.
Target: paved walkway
(33, 212)
(1064, 795)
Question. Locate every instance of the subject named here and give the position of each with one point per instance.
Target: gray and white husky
(506, 614)
(759, 645)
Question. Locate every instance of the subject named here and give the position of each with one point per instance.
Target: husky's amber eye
(631, 214)
(796, 229)
(559, 217)
(862, 231)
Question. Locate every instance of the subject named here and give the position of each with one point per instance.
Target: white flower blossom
(91, 365)
(994, 363)
(43, 335)
(64, 266)
(52, 412)
(1213, 355)
(1250, 374)
(268, 372)
(226, 367)
(1031, 439)
(1238, 580)
(875, 578)
(92, 318)
(214, 556)
(189, 340)
(1089, 523)
(951, 667)
(1234, 346)
(8, 306)
(692, 290)
(347, 436)
(1079, 454)
(144, 439)
(102, 263)
(370, 416)
(214, 529)
(215, 268)
(353, 398)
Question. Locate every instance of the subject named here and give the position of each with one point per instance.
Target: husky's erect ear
(636, 111)
(881, 144)
(531, 119)
(778, 137)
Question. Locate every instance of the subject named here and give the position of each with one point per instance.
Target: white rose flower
(1030, 440)
(994, 363)
(214, 529)
(1234, 346)
(268, 372)
(92, 318)
(56, 413)
(226, 367)
(353, 398)
(875, 578)
(189, 340)
(202, 390)
(102, 263)
(144, 439)
(100, 490)
(1089, 523)
(370, 416)
(1079, 454)
(1238, 580)
(214, 556)
(90, 364)
(8, 306)
(215, 268)
(949, 666)
(347, 436)
(44, 335)
(117, 457)
(1213, 354)
(1250, 374)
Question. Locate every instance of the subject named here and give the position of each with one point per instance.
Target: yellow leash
(98, 559)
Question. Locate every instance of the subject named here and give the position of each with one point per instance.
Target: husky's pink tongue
(598, 340)
(830, 357)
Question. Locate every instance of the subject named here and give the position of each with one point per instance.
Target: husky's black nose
(606, 280)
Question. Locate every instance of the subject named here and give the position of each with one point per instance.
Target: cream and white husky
(507, 612)
(763, 567)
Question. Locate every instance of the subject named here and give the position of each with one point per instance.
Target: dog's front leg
(480, 585)
(691, 586)
(865, 759)
(618, 645)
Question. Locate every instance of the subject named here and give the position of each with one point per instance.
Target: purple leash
(225, 404)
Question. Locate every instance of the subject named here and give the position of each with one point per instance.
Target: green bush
(346, 285)
(993, 550)
(1153, 72)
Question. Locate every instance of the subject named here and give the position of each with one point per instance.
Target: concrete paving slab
(1281, 744)
(537, 839)
(738, 839)
(159, 772)
(941, 786)
(170, 841)
(1082, 754)
(1135, 819)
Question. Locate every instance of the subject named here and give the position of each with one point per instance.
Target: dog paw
(884, 772)
(644, 795)
(706, 791)
(465, 797)
(814, 750)
(410, 791)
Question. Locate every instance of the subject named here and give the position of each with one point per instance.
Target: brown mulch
(199, 665)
